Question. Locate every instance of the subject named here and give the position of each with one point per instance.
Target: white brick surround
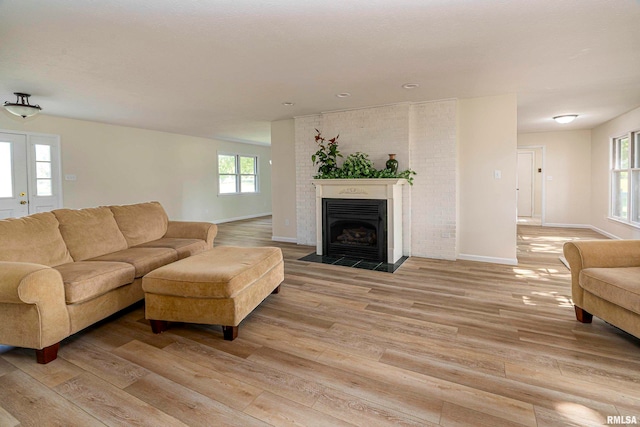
(423, 136)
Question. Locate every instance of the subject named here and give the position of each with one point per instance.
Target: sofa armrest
(598, 254)
(34, 310)
(192, 230)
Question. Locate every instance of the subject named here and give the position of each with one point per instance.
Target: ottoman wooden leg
(158, 326)
(230, 333)
(276, 290)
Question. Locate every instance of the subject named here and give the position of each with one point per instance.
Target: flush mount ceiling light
(288, 104)
(410, 86)
(343, 95)
(22, 107)
(567, 118)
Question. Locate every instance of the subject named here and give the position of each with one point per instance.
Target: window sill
(625, 222)
(238, 194)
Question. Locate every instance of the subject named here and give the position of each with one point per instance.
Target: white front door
(29, 174)
(525, 183)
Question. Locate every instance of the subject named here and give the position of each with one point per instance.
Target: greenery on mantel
(355, 166)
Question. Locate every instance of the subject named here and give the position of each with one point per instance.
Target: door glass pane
(248, 184)
(43, 153)
(43, 187)
(43, 170)
(6, 172)
(227, 184)
(619, 190)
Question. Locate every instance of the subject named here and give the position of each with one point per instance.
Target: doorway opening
(530, 185)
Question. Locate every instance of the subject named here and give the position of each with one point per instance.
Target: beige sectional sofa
(64, 270)
(605, 281)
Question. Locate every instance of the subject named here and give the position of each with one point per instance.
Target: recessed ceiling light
(288, 104)
(566, 118)
(343, 95)
(410, 85)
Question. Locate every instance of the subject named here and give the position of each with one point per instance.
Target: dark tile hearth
(355, 262)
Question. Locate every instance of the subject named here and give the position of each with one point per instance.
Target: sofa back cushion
(141, 223)
(34, 238)
(90, 232)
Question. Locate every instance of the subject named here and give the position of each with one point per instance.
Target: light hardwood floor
(436, 343)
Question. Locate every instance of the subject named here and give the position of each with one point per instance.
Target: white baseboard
(492, 260)
(561, 225)
(240, 218)
(606, 233)
(284, 239)
(591, 227)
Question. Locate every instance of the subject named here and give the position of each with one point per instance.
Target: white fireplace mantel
(365, 188)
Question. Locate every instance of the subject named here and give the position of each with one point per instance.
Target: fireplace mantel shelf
(360, 181)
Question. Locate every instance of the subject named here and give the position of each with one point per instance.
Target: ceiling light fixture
(567, 118)
(288, 104)
(22, 107)
(343, 95)
(410, 86)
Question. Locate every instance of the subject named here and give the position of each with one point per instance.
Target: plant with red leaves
(327, 155)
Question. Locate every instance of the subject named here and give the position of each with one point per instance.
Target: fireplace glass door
(355, 228)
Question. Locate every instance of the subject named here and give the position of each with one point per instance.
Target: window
(625, 178)
(44, 180)
(237, 174)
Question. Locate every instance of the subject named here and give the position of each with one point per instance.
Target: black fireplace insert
(355, 228)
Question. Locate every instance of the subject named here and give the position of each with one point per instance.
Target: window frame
(632, 170)
(238, 173)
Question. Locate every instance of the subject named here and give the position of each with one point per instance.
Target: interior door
(30, 178)
(525, 184)
(14, 200)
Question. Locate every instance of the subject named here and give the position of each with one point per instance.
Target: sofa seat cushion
(85, 280)
(220, 272)
(34, 238)
(620, 286)
(142, 222)
(90, 232)
(143, 260)
(184, 247)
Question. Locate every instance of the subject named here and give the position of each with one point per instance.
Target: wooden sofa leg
(230, 333)
(158, 326)
(47, 354)
(276, 290)
(583, 315)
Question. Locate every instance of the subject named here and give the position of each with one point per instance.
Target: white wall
(283, 194)
(567, 175)
(487, 138)
(600, 140)
(455, 146)
(423, 137)
(120, 165)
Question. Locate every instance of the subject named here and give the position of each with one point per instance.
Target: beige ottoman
(220, 286)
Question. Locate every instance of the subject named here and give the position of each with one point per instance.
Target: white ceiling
(223, 68)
